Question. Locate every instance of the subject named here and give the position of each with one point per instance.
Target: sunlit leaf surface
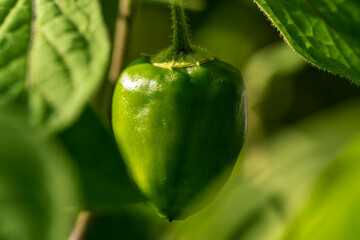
(56, 52)
(326, 33)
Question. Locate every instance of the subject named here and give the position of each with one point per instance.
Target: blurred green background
(297, 177)
(298, 174)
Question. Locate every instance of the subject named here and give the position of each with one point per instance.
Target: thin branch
(120, 39)
(81, 226)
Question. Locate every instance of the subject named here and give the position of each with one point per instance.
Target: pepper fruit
(180, 120)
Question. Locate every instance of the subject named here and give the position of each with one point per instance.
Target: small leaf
(38, 186)
(55, 51)
(106, 184)
(326, 33)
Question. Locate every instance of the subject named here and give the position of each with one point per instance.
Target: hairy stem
(181, 37)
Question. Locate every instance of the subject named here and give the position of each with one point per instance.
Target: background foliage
(296, 178)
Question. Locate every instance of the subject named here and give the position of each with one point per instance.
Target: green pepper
(180, 125)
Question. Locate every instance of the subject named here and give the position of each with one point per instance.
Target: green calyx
(182, 53)
(170, 58)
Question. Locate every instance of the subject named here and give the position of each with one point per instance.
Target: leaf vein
(4, 66)
(58, 55)
(311, 5)
(81, 34)
(29, 80)
(8, 13)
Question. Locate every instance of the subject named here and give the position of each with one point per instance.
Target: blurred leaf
(37, 186)
(190, 4)
(326, 33)
(334, 207)
(57, 51)
(274, 60)
(104, 178)
(275, 180)
(238, 39)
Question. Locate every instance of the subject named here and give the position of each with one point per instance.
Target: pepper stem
(182, 53)
(181, 38)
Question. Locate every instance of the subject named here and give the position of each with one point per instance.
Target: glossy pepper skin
(179, 130)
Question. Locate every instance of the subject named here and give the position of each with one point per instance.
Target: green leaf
(55, 51)
(38, 186)
(326, 33)
(333, 210)
(105, 182)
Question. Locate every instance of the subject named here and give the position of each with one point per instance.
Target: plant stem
(120, 40)
(123, 22)
(81, 226)
(181, 38)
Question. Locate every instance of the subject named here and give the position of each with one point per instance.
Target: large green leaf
(333, 211)
(105, 182)
(38, 186)
(326, 33)
(57, 51)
